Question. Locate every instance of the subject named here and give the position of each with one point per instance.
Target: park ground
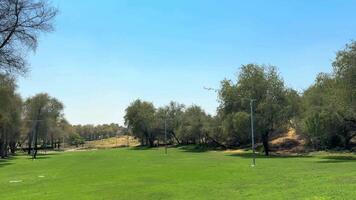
(184, 173)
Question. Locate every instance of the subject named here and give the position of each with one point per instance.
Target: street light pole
(252, 128)
(165, 134)
(252, 134)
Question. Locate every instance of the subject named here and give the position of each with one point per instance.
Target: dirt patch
(289, 142)
(114, 142)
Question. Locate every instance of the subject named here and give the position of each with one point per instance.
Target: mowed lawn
(182, 174)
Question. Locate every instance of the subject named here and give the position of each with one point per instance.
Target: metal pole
(165, 134)
(34, 143)
(252, 135)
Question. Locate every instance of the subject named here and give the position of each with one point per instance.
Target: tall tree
(140, 116)
(266, 88)
(41, 113)
(329, 117)
(345, 75)
(10, 115)
(171, 115)
(21, 22)
(192, 128)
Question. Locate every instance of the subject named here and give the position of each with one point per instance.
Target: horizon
(169, 51)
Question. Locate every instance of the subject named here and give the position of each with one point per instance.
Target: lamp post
(34, 136)
(252, 125)
(165, 133)
(252, 134)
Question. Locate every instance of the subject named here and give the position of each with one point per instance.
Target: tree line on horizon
(325, 113)
(38, 121)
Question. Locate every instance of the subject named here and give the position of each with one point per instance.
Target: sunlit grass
(182, 174)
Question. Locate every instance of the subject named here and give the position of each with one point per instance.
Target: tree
(345, 76)
(329, 117)
(75, 139)
(171, 115)
(192, 128)
(140, 117)
(21, 22)
(271, 105)
(10, 115)
(41, 113)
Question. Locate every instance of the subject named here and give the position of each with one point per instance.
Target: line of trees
(329, 105)
(91, 132)
(324, 113)
(37, 121)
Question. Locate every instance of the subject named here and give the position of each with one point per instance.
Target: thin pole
(165, 134)
(34, 143)
(252, 134)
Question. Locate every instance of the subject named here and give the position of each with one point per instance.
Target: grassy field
(182, 174)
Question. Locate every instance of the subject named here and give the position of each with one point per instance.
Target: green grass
(182, 174)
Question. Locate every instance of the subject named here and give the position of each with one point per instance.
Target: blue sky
(105, 54)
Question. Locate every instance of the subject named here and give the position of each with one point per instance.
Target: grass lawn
(182, 174)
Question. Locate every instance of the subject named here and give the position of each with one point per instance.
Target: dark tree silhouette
(21, 21)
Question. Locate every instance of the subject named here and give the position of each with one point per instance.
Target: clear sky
(105, 54)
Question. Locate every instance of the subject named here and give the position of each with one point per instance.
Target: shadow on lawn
(43, 156)
(259, 156)
(197, 148)
(337, 159)
(141, 148)
(7, 161)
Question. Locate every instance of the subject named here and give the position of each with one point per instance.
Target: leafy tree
(21, 21)
(171, 115)
(236, 129)
(271, 105)
(75, 139)
(140, 116)
(191, 129)
(345, 76)
(10, 115)
(41, 113)
(329, 118)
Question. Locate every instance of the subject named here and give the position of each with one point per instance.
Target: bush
(75, 139)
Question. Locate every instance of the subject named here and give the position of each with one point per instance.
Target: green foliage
(272, 102)
(75, 139)
(192, 129)
(329, 117)
(139, 118)
(90, 132)
(43, 115)
(10, 115)
(236, 129)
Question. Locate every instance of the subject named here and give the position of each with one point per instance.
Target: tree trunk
(35, 147)
(216, 142)
(29, 144)
(52, 142)
(265, 138)
(12, 147)
(151, 142)
(348, 140)
(2, 152)
(175, 137)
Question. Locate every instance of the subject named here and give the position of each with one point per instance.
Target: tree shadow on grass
(337, 159)
(141, 148)
(262, 156)
(197, 148)
(6, 161)
(42, 156)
